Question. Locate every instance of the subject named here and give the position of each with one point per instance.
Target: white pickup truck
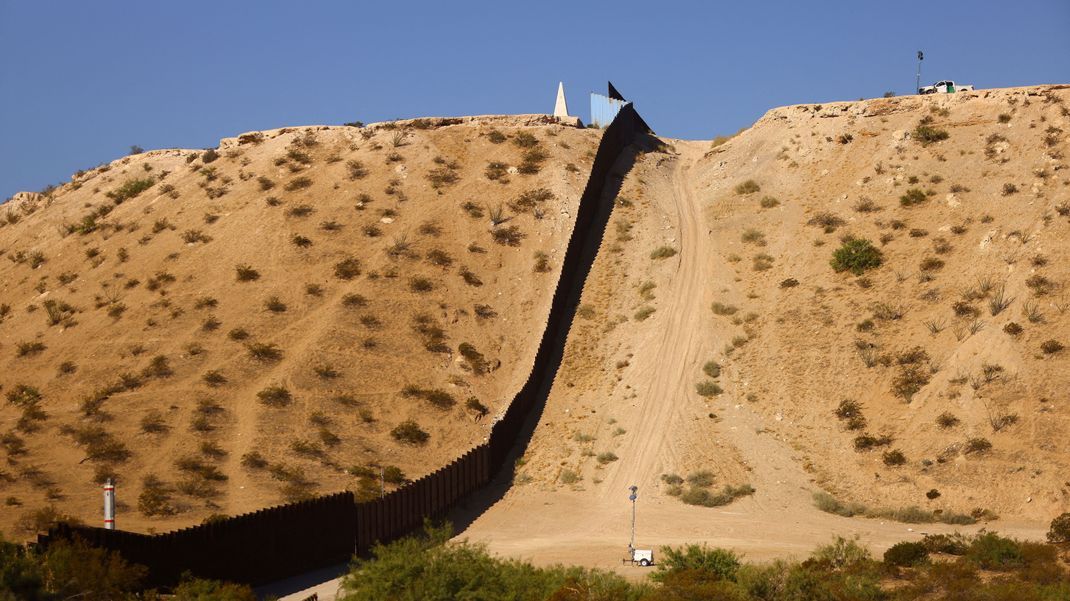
(945, 87)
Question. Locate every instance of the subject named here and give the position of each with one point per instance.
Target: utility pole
(917, 79)
(632, 497)
(109, 505)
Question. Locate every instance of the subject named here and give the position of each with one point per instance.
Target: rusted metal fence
(279, 542)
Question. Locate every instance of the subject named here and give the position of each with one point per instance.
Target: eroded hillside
(723, 364)
(282, 316)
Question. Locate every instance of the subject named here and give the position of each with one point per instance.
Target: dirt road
(591, 527)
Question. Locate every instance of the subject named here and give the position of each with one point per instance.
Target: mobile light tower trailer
(643, 557)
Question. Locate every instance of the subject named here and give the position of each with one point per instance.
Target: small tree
(719, 564)
(1060, 529)
(856, 255)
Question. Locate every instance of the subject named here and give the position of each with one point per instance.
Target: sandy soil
(123, 312)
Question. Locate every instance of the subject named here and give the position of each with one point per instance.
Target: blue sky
(82, 81)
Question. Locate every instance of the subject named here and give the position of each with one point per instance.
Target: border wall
(287, 540)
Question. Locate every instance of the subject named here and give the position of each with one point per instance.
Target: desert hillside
(296, 312)
(725, 363)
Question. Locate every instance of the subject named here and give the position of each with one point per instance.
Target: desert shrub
(1060, 529)
(706, 498)
(946, 420)
(949, 544)
(643, 313)
(214, 378)
(828, 222)
(753, 236)
(474, 360)
(865, 442)
(253, 460)
(532, 160)
(298, 183)
(421, 284)
(977, 445)
(718, 564)
(300, 210)
(531, 200)
(155, 497)
(245, 273)
(495, 136)
(912, 197)
(347, 268)
(23, 395)
(856, 255)
(409, 432)
(1009, 189)
(712, 369)
(893, 458)
(158, 367)
(354, 301)
(153, 423)
(525, 140)
(27, 349)
(129, 189)
(991, 551)
(508, 236)
(275, 305)
(355, 169)
(264, 351)
(906, 554)
(708, 388)
(1050, 347)
(768, 202)
(238, 334)
(748, 187)
(829, 504)
(607, 457)
(910, 379)
(275, 396)
(662, 252)
(927, 134)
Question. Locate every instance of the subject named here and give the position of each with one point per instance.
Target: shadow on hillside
(471, 508)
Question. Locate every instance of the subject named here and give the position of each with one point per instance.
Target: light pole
(632, 497)
(917, 80)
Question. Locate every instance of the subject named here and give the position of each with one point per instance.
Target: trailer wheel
(644, 562)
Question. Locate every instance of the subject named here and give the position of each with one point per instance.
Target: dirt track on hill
(590, 527)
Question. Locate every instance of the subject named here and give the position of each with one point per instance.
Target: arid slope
(716, 341)
(231, 329)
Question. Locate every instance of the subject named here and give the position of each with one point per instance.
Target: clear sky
(80, 81)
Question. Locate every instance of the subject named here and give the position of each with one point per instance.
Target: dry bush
(508, 236)
(275, 396)
(409, 432)
(245, 273)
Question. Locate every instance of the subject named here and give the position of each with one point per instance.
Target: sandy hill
(282, 316)
(720, 359)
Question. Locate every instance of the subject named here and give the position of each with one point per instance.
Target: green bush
(927, 134)
(427, 568)
(719, 564)
(856, 255)
(991, 551)
(906, 554)
(409, 432)
(1060, 529)
(129, 189)
(912, 197)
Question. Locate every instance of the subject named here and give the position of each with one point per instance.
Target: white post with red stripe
(109, 505)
